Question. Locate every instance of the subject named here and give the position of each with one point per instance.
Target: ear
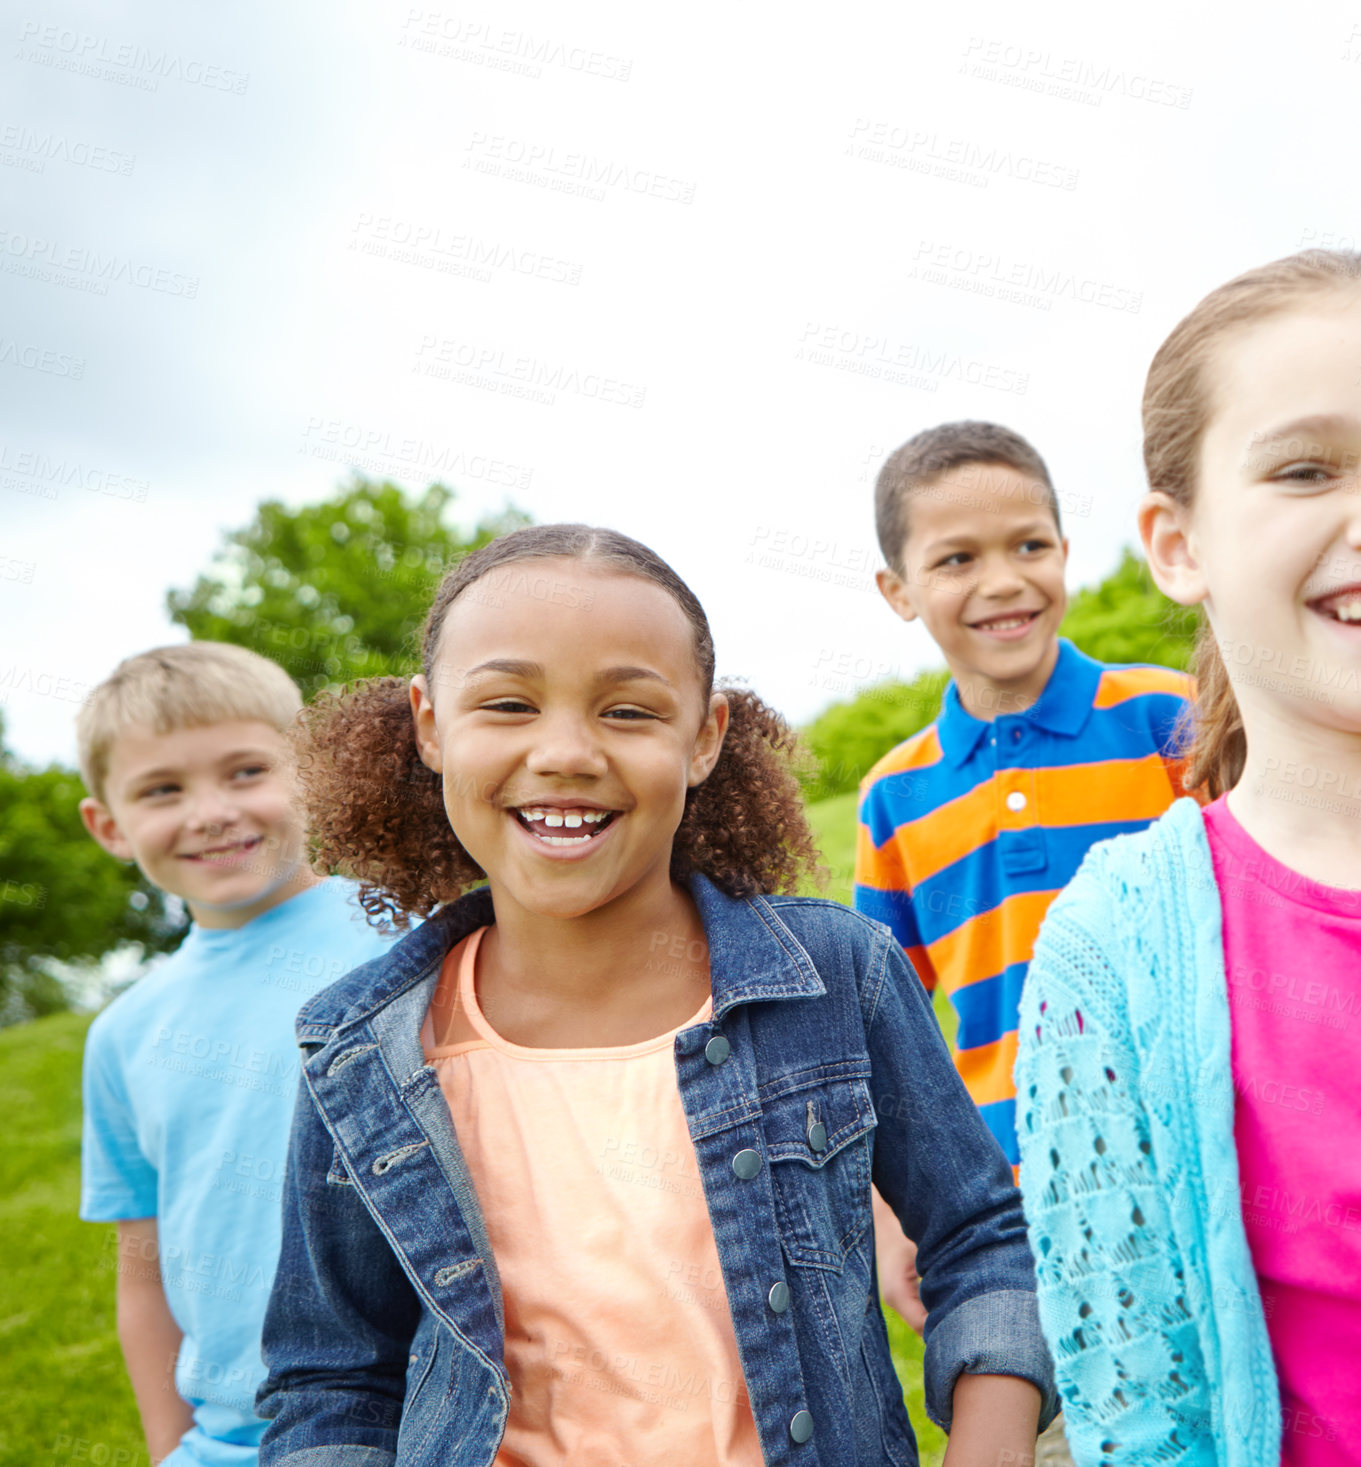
(100, 822)
(1173, 560)
(709, 740)
(423, 722)
(893, 588)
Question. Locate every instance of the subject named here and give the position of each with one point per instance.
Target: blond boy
(190, 1075)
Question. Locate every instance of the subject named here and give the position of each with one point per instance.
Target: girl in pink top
(1192, 1154)
(1257, 517)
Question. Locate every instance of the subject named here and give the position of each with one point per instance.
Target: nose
(212, 810)
(998, 578)
(567, 744)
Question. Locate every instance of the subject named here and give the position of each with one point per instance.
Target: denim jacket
(384, 1335)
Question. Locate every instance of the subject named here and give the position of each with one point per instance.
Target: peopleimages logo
(88, 269)
(32, 149)
(41, 359)
(143, 67)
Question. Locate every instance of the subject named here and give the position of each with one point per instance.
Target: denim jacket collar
(753, 956)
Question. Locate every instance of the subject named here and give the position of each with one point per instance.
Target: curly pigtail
(744, 827)
(374, 811)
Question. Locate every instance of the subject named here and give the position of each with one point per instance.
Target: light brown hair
(935, 452)
(186, 686)
(377, 813)
(1178, 404)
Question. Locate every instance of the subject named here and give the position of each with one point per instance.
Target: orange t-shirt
(619, 1344)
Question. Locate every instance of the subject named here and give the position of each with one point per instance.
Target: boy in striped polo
(969, 829)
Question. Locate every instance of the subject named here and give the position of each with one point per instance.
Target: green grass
(69, 1399)
(59, 1357)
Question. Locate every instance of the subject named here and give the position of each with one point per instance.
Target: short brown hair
(1178, 403)
(377, 813)
(185, 686)
(935, 452)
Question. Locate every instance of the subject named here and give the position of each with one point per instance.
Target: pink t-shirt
(1292, 957)
(619, 1344)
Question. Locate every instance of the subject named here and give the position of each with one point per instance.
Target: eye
(629, 714)
(159, 791)
(1034, 546)
(508, 705)
(960, 557)
(250, 771)
(1305, 473)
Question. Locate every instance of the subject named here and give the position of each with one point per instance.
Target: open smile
(1013, 624)
(1343, 606)
(225, 855)
(570, 826)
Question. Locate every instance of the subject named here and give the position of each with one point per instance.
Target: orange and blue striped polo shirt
(968, 830)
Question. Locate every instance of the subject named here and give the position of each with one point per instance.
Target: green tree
(61, 896)
(1123, 619)
(1127, 619)
(333, 591)
(848, 738)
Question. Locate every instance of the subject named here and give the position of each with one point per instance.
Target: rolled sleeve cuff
(339, 1457)
(991, 1334)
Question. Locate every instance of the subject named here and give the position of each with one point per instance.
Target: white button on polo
(1015, 800)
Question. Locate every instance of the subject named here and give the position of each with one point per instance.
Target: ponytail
(374, 811)
(1219, 746)
(744, 827)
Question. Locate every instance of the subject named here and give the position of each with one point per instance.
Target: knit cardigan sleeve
(1111, 1283)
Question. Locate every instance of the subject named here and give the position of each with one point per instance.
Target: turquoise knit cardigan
(1125, 1105)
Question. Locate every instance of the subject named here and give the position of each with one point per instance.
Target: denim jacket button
(817, 1136)
(746, 1164)
(717, 1050)
(801, 1427)
(778, 1298)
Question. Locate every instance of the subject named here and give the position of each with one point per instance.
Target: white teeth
(556, 819)
(1348, 610)
(570, 818)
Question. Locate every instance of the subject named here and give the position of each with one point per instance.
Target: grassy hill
(69, 1400)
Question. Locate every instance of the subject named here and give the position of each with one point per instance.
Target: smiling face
(982, 567)
(207, 814)
(1272, 541)
(567, 731)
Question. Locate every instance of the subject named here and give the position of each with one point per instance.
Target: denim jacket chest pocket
(818, 1137)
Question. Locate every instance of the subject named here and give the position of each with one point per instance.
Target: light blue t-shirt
(190, 1079)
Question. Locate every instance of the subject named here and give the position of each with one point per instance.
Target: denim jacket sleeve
(340, 1321)
(942, 1172)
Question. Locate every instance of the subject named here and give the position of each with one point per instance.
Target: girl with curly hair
(582, 1168)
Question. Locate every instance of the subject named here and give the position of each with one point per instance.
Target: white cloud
(864, 187)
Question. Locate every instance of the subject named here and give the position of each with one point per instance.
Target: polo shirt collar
(1063, 708)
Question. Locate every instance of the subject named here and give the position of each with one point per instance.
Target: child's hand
(899, 1281)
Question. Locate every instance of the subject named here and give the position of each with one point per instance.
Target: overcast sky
(691, 273)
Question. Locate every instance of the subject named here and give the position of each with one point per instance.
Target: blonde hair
(185, 686)
(1178, 404)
